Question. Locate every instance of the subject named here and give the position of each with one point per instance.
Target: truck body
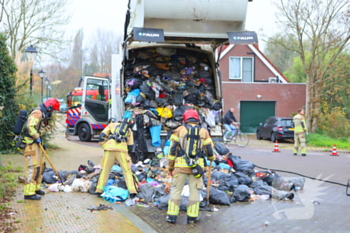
(168, 50)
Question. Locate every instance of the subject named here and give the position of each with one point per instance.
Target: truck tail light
(280, 128)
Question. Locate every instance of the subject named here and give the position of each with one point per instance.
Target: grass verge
(320, 140)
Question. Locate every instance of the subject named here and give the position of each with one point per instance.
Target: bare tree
(76, 61)
(34, 22)
(324, 27)
(105, 44)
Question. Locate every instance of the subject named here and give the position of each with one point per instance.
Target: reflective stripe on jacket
(179, 162)
(32, 125)
(299, 121)
(111, 144)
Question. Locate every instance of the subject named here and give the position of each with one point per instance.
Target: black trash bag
(204, 74)
(243, 178)
(133, 83)
(172, 75)
(48, 176)
(216, 106)
(191, 99)
(120, 182)
(218, 197)
(261, 188)
(148, 192)
(270, 177)
(240, 164)
(177, 99)
(66, 174)
(139, 139)
(221, 148)
(145, 89)
(178, 114)
(140, 99)
(142, 176)
(204, 202)
(94, 181)
(163, 202)
(228, 183)
(209, 81)
(242, 193)
(218, 175)
(288, 184)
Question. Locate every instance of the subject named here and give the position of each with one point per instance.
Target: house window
(241, 68)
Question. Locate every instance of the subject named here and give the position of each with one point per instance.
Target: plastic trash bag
(218, 197)
(116, 168)
(240, 164)
(148, 192)
(163, 202)
(49, 176)
(131, 97)
(243, 178)
(242, 193)
(217, 175)
(261, 188)
(155, 135)
(221, 148)
(113, 194)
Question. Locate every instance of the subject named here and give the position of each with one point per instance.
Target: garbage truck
(167, 64)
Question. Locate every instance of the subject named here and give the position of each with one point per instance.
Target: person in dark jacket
(230, 124)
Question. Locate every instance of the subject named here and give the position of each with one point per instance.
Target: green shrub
(334, 123)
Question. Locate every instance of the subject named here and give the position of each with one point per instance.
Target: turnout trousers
(124, 161)
(299, 141)
(35, 166)
(195, 184)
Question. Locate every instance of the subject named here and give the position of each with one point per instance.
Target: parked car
(276, 128)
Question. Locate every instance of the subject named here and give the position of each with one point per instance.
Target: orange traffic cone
(276, 147)
(334, 151)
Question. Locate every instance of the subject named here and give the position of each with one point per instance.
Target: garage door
(254, 112)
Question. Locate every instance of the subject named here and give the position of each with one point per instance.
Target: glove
(307, 133)
(38, 141)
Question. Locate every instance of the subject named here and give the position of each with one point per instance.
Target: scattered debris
(100, 207)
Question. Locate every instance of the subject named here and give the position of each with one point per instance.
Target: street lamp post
(31, 55)
(47, 80)
(41, 74)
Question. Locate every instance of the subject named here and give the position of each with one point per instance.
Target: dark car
(276, 128)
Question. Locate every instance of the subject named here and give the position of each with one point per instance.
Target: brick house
(255, 87)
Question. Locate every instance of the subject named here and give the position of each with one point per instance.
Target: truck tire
(84, 132)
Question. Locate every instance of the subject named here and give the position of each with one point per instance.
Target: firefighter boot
(192, 219)
(171, 218)
(40, 192)
(32, 197)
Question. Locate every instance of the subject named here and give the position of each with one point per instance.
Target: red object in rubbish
(334, 151)
(276, 147)
(229, 162)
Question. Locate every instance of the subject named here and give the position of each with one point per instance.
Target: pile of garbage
(160, 84)
(232, 179)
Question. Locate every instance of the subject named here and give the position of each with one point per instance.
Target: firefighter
(117, 147)
(300, 130)
(35, 161)
(181, 170)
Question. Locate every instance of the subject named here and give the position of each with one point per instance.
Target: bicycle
(239, 138)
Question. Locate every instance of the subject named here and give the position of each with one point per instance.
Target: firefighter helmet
(52, 104)
(190, 113)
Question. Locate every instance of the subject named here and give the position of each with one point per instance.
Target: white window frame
(241, 67)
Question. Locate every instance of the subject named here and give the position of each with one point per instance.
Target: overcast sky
(110, 14)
